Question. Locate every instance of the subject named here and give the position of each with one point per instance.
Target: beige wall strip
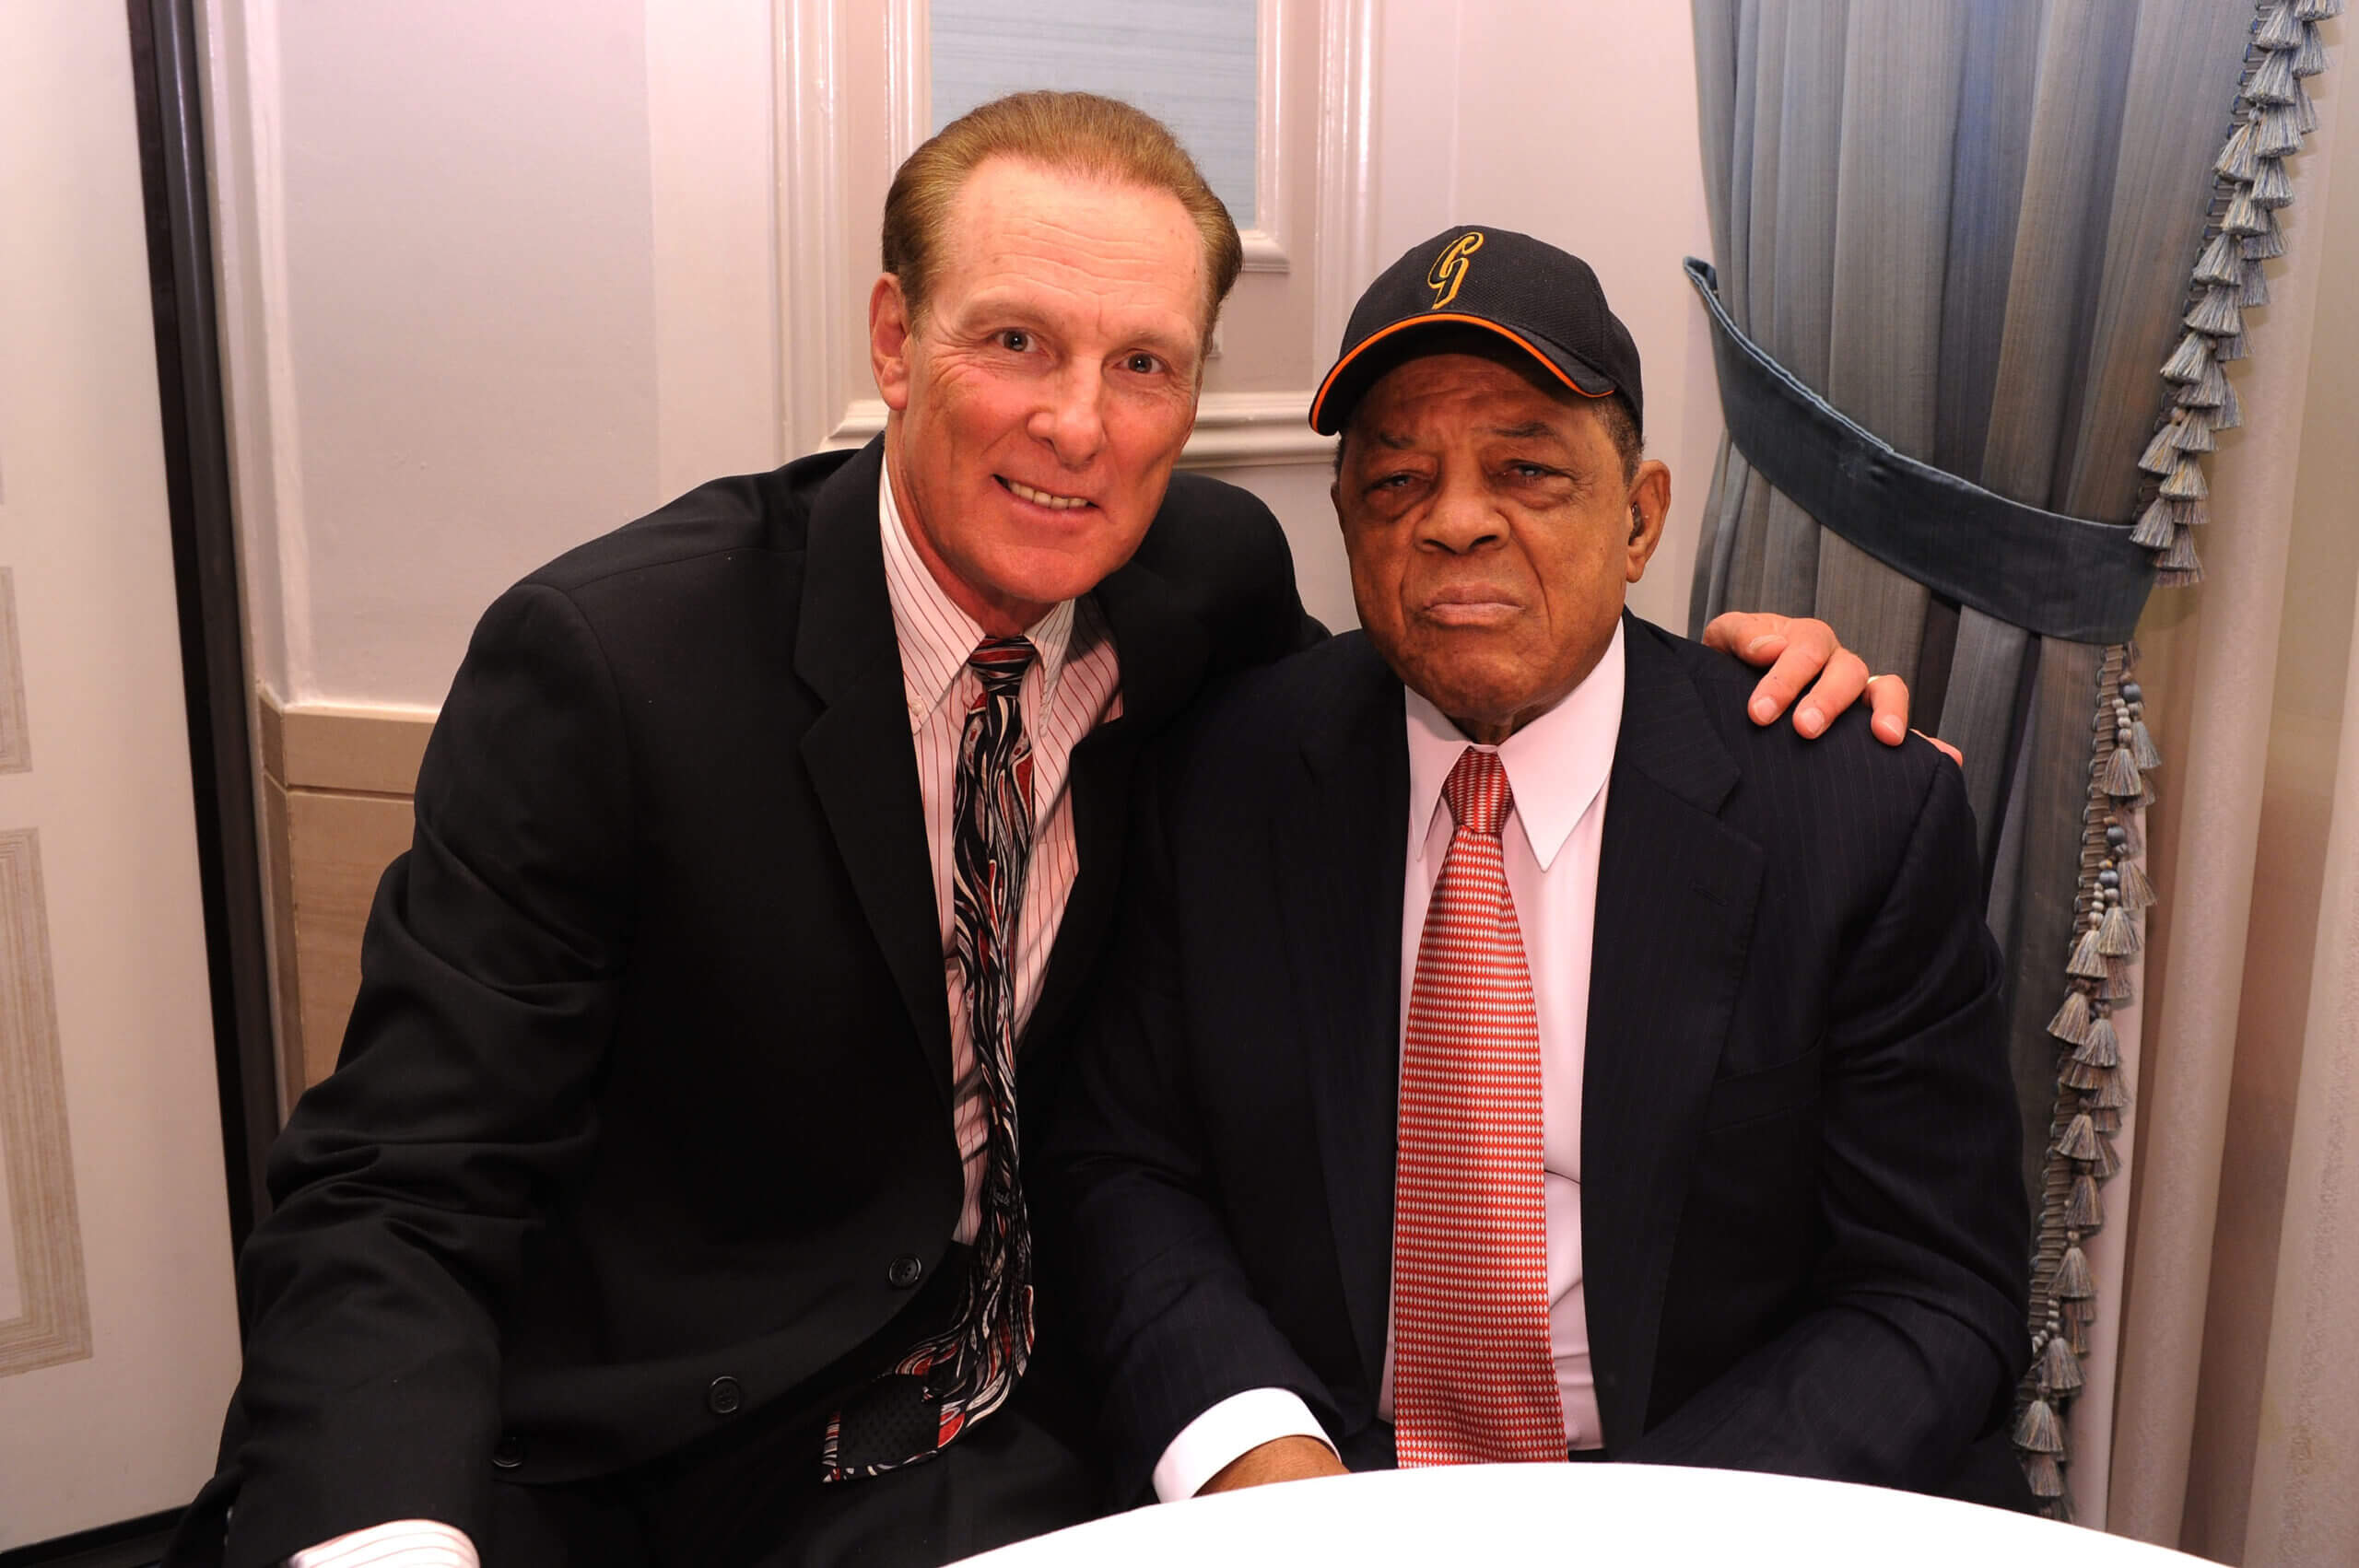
(16, 742)
(336, 783)
(53, 1321)
(369, 750)
(337, 849)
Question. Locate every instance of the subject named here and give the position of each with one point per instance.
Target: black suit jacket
(1805, 1243)
(648, 1083)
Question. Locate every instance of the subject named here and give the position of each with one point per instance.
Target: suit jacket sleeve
(1165, 1311)
(1915, 1336)
(409, 1183)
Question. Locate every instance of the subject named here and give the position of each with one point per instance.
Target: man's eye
(1015, 341)
(1531, 471)
(1142, 364)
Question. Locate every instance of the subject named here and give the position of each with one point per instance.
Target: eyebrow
(1184, 348)
(1537, 429)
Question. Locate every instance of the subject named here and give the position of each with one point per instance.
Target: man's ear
(888, 340)
(1335, 485)
(1650, 504)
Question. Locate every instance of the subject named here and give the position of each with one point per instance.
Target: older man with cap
(1512, 1054)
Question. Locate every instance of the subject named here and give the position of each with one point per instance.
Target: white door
(118, 1332)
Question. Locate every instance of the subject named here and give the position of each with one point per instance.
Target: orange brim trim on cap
(1319, 403)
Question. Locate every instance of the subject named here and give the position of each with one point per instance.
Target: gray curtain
(1969, 225)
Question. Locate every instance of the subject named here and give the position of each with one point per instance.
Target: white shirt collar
(936, 635)
(1556, 765)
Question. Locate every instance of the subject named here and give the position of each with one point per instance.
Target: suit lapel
(1675, 895)
(1338, 847)
(1161, 652)
(862, 761)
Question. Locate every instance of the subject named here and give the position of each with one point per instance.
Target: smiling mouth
(1023, 492)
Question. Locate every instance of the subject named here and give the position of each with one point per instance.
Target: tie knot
(1477, 792)
(1000, 662)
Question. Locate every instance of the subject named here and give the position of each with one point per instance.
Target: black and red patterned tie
(965, 1371)
(1474, 1381)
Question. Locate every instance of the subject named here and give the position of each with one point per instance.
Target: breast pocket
(1771, 1090)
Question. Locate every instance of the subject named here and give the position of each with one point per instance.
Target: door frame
(167, 76)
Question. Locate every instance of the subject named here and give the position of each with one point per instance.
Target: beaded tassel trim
(2091, 1094)
(2272, 113)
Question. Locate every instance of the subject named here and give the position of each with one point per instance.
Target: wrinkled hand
(1288, 1459)
(1796, 648)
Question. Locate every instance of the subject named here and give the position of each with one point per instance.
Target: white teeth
(1042, 497)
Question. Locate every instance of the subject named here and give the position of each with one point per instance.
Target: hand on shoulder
(1797, 648)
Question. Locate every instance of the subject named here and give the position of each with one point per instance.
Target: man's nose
(1074, 421)
(1461, 518)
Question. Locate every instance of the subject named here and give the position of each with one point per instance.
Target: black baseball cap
(1541, 300)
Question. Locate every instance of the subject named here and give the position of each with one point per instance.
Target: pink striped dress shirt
(1074, 687)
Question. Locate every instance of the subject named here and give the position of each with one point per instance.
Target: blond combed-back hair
(1080, 132)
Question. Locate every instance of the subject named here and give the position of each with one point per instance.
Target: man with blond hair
(668, 1203)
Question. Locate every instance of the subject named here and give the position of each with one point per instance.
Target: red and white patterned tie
(1474, 1381)
(967, 1370)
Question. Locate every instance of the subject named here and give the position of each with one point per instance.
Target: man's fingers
(1955, 754)
(1888, 704)
(1804, 649)
(1837, 688)
(1756, 638)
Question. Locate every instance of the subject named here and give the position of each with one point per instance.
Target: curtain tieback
(2058, 576)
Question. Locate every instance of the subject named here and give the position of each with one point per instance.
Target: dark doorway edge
(167, 68)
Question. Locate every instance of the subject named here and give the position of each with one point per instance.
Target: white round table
(1588, 1515)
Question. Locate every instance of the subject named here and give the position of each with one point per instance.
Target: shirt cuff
(404, 1543)
(1227, 1432)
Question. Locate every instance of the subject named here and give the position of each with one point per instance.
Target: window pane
(1188, 62)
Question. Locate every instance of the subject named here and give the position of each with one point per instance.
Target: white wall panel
(120, 1345)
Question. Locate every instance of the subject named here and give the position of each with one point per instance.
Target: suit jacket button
(509, 1452)
(724, 1397)
(904, 1271)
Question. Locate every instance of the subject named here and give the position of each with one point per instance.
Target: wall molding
(1346, 177)
(53, 1324)
(15, 737)
(243, 83)
(1266, 244)
(909, 75)
(345, 747)
(813, 276)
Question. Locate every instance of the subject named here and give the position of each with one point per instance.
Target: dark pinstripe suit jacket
(1804, 1238)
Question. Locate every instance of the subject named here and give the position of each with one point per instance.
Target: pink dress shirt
(1074, 687)
(1556, 767)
